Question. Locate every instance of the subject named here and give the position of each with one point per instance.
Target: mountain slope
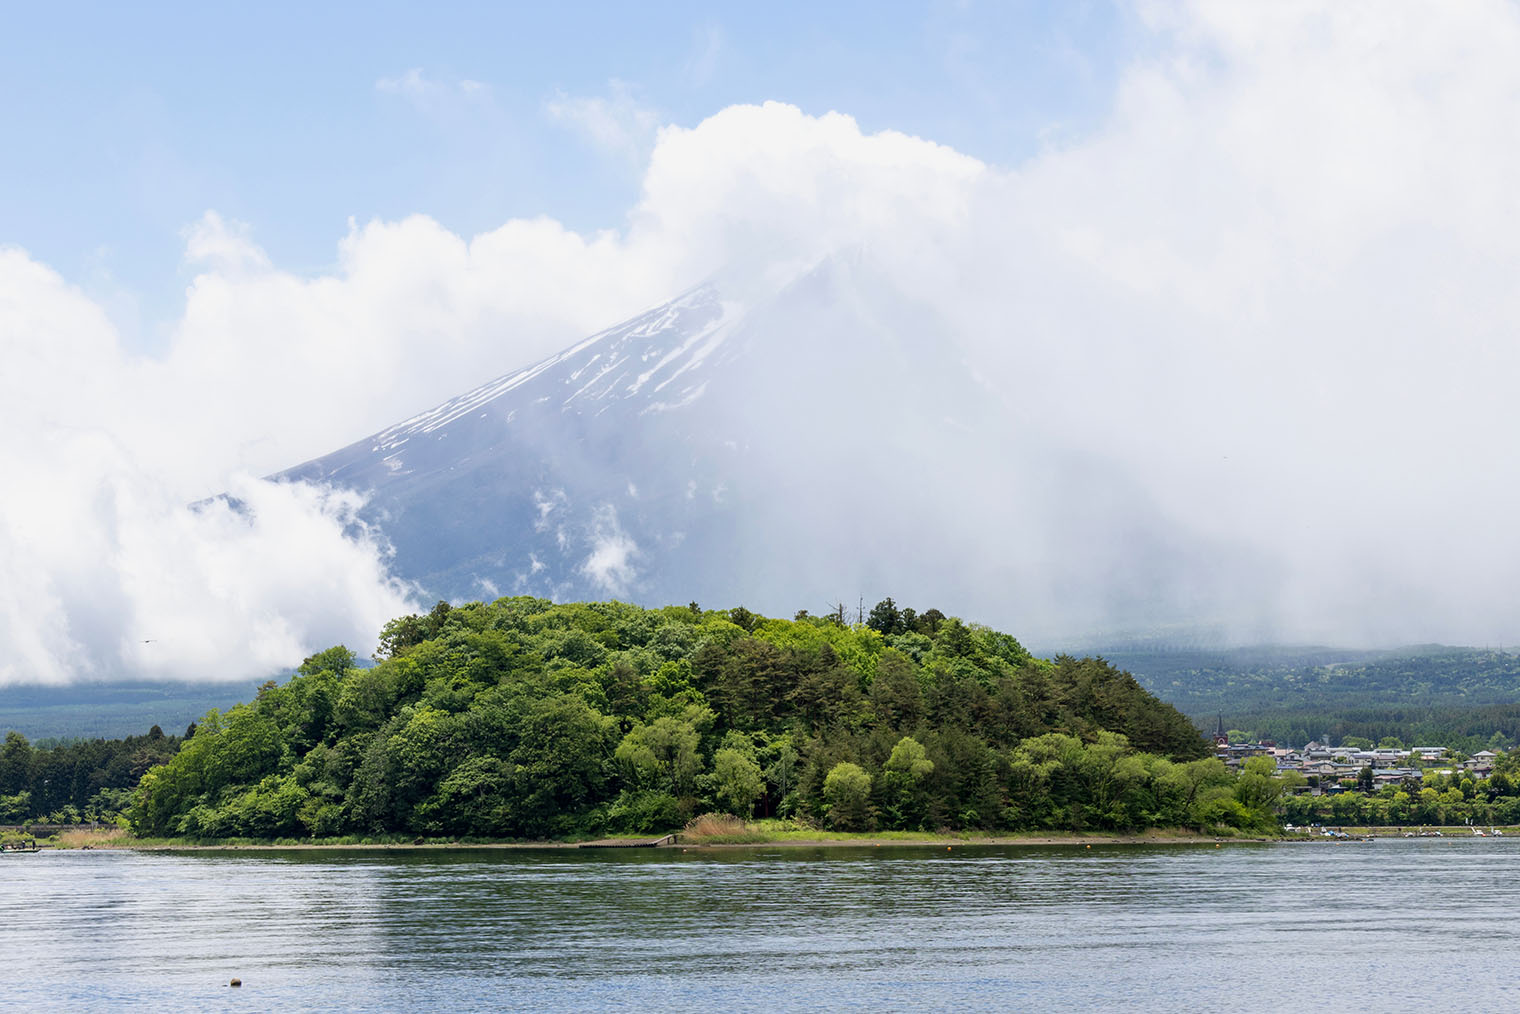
(527, 482)
(825, 439)
(662, 457)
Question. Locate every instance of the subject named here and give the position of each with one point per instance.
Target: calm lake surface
(1370, 925)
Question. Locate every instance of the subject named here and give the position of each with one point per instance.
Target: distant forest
(525, 719)
(82, 780)
(90, 710)
(1465, 698)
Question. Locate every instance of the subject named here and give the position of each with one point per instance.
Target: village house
(1329, 768)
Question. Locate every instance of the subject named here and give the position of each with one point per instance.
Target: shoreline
(786, 839)
(802, 839)
(1073, 839)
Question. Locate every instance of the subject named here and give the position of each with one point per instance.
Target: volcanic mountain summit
(822, 441)
(656, 459)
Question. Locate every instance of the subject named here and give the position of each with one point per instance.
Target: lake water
(1371, 925)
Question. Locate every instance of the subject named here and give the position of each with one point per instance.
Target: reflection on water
(1381, 924)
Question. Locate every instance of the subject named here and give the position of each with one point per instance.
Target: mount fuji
(824, 440)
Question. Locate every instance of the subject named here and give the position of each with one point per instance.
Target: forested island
(523, 719)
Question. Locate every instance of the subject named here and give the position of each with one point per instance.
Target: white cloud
(225, 247)
(1279, 271)
(1271, 298)
(616, 122)
(109, 573)
(610, 564)
(246, 588)
(427, 93)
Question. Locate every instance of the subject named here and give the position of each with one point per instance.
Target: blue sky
(125, 123)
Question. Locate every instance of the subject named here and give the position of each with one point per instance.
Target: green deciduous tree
(904, 794)
(1257, 789)
(736, 782)
(662, 755)
(847, 792)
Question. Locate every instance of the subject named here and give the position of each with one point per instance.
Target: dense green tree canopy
(526, 719)
(83, 780)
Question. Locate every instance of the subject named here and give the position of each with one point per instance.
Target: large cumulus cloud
(1272, 292)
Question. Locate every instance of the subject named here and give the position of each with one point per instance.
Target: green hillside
(1463, 697)
(111, 710)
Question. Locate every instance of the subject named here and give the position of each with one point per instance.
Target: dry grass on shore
(720, 828)
(93, 838)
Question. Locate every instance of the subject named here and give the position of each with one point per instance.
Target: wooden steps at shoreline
(629, 843)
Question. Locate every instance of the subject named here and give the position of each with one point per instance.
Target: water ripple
(1134, 928)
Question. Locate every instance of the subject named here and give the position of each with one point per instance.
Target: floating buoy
(235, 983)
(1089, 846)
(1216, 846)
(947, 848)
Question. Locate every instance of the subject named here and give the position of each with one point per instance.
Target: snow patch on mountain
(679, 337)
